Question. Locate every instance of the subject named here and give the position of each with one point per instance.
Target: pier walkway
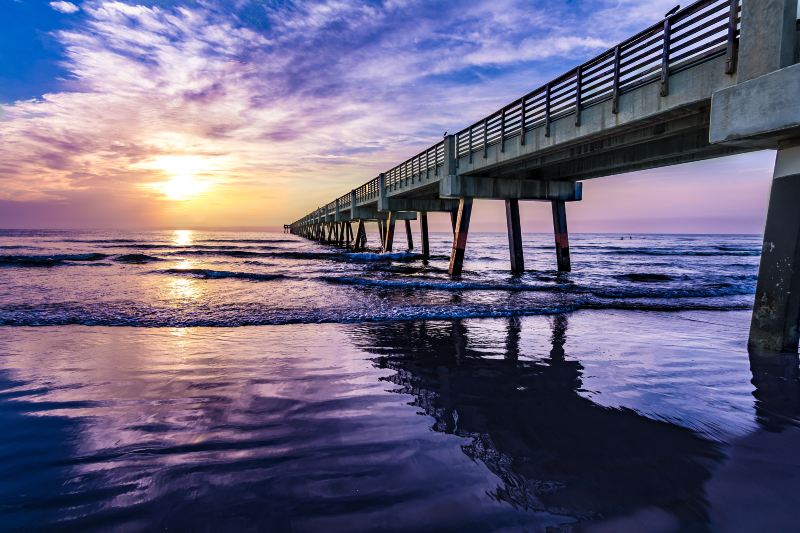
(716, 78)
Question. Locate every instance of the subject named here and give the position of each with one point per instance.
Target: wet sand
(598, 420)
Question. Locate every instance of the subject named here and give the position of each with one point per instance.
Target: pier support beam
(460, 236)
(514, 236)
(423, 225)
(776, 312)
(389, 232)
(561, 235)
(409, 237)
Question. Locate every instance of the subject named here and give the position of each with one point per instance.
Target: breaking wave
(34, 261)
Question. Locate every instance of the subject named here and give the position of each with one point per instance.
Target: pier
(717, 78)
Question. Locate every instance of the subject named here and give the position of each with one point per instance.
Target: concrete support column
(423, 224)
(361, 237)
(409, 237)
(460, 236)
(389, 232)
(768, 37)
(514, 236)
(561, 235)
(454, 219)
(381, 232)
(776, 312)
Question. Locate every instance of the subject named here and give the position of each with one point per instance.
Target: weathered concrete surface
(561, 235)
(767, 39)
(776, 312)
(501, 189)
(758, 113)
(460, 233)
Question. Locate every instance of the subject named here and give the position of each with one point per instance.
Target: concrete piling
(423, 224)
(389, 232)
(409, 237)
(561, 235)
(460, 236)
(776, 312)
(514, 236)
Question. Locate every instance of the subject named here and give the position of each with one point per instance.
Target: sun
(183, 187)
(187, 176)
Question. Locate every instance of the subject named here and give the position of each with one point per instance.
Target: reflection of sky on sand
(563, 419)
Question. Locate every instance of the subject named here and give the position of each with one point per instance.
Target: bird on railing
(672, 11)
(444, 135)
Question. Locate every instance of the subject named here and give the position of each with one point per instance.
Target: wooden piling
(409, 237)
(460, 236)
(561, 235)
(514, 236)
(423, 224)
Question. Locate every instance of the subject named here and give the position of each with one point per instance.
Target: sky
(250, 113)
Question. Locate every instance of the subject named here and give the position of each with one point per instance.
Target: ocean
(200, 380)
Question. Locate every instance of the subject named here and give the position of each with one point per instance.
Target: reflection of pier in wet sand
(556, 451)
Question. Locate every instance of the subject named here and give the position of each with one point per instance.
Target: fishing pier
(717, 78)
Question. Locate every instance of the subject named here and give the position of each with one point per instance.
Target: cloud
(310, 97)
(64, 7)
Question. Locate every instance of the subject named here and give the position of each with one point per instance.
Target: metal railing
(422, 166)
(704, 30)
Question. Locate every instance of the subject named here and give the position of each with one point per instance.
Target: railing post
(547, 111)
(485, 137)
(615, 89)
(427, 163)
(730, 61)
(578, 83)
(383, 204)
(450, 156)
(522, 122)
(503, 130)
(470, 144)
(665, 57)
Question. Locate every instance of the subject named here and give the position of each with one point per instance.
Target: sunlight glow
(189, 176)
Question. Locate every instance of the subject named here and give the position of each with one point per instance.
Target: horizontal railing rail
(702, 31)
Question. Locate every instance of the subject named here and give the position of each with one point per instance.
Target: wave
(97, 241)
(608, 292)
(646, 277)
(438, 285)
(250, 241)
(366, 257)
(136, 258)
(688, 253)
(255, 315)
(205, 273)
(34, 261)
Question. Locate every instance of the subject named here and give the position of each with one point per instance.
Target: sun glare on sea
(182, 237)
